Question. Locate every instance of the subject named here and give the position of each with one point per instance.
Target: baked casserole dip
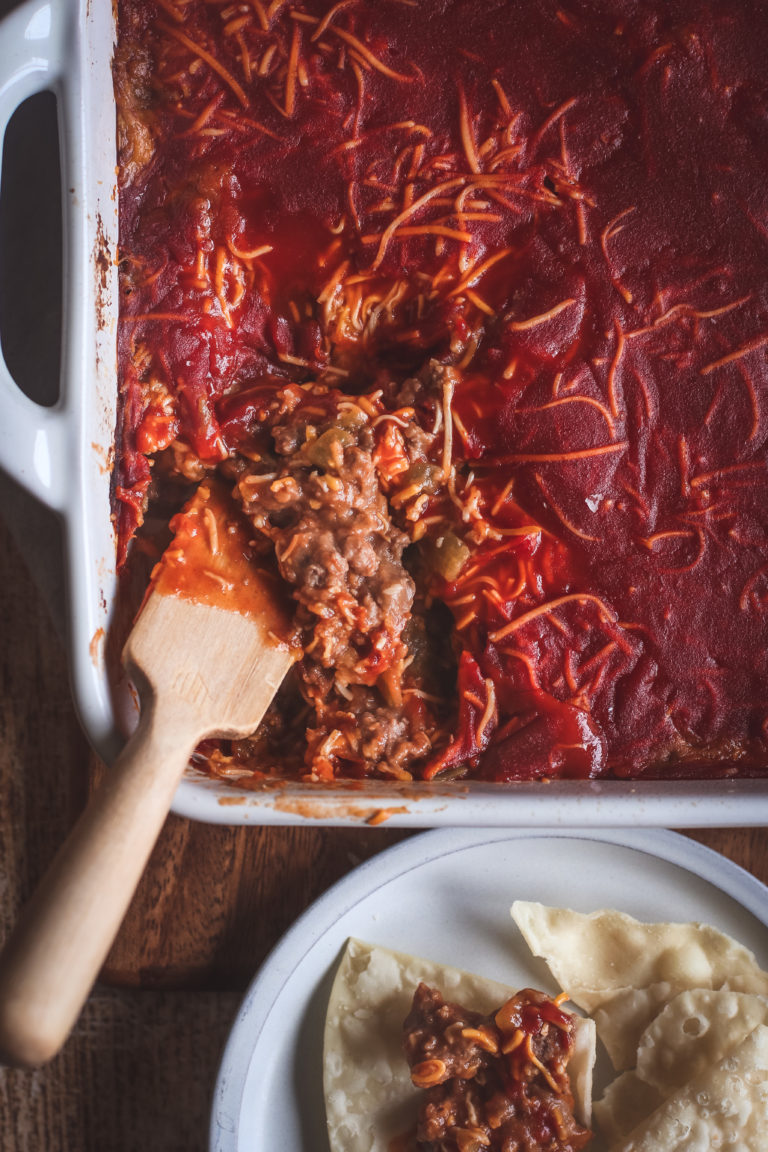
(464, 308)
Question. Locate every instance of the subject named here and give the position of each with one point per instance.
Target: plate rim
(274, 972)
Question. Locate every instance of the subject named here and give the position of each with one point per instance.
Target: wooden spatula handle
(53, 958)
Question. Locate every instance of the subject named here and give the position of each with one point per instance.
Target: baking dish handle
(32, 438)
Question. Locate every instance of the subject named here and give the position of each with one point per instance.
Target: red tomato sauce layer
(517, 251)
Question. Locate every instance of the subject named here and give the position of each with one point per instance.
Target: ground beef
(338, 549)
(497, 1082)
(365, 732)
(334, 491)
(132, 72)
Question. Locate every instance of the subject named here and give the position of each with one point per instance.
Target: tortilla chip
(626, 1102)
(695, 1030)
(623, 971)
(581, 1067)
(726, 1106)
(692, 1033)
(622, 1018)
(370, 1100)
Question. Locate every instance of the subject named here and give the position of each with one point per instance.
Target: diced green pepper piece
(448, 555)
(327, 450)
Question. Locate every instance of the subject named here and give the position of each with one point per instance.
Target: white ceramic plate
(446, 896)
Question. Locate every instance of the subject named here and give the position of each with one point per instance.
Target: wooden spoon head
(214, 634)
(225, 667)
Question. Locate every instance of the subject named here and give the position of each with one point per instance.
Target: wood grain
(215, 900)
(43, 753)
(747, 847)
(136, 1076)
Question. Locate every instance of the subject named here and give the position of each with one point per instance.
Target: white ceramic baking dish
(62, 455)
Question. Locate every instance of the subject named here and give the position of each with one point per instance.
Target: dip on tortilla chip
(371, 1102)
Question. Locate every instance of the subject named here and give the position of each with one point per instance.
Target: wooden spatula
(201, 669)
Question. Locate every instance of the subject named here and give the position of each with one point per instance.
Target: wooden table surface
(138, 1072)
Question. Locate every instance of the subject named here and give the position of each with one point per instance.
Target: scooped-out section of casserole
(464, 306)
